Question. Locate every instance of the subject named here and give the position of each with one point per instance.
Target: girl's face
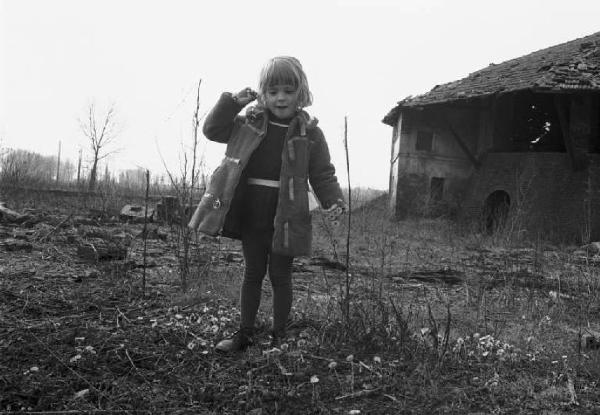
(282, 100)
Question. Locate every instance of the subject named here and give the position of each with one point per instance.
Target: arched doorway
(497, 206)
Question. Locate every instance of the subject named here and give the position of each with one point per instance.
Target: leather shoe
(240, 340)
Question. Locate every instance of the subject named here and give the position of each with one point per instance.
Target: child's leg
(256, 253)
(280, 273)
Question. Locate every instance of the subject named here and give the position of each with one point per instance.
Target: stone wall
(546, 196)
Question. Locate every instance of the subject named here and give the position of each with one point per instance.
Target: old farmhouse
(516, 142)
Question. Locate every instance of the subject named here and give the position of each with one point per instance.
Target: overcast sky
(146, 57)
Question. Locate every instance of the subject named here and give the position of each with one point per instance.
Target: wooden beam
(462, 144)
(563, 118)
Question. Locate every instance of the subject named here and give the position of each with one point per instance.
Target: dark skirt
(259, 208)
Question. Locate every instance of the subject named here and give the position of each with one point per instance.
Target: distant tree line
(24, 168)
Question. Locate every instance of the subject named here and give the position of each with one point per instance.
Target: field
(440, 319)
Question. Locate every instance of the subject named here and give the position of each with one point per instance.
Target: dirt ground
(441, 320)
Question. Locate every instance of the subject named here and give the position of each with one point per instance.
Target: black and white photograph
(299, 207)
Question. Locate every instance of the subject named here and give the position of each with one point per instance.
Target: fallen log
(9, 215)
(13, 245)
(101, 250)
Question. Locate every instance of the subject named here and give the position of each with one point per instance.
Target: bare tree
(101, 131)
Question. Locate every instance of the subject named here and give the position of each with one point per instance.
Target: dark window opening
(424, 141)
(407, 121)
(436, 189)
(536, 125)
(496, 209)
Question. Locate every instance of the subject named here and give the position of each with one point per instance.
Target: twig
(62, 222)
(131, 361)
(571, 389)
(312, 356)
(446, 333)
(347, 299)
(122, 315)
(358, 394)
(135, 367)
(370, 369)
(393, 398)
(258, 368)
(434, 328)
(145, 233)
(25, 305)
(282, 368)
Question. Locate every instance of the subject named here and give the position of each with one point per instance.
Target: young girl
(259, 193)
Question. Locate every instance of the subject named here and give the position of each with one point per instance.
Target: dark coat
(305, 159)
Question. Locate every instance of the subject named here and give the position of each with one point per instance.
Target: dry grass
(443, 320)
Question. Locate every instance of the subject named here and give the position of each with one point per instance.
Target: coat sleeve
(222, 120)
(321, 172)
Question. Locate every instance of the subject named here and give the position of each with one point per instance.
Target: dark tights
(256, 246)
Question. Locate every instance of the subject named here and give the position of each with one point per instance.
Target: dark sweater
(265, 163)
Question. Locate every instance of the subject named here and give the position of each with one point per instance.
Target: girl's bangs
(281, 74)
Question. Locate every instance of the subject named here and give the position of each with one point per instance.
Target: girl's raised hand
(245, 96)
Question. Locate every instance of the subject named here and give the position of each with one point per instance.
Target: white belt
(264, 182)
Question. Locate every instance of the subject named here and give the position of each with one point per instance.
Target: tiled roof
(570, 66)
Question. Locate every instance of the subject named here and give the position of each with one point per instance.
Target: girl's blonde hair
(284, 70)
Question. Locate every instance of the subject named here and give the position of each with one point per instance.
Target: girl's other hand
(245, 96)
(335, 211)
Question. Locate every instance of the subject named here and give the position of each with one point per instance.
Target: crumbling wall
(546, 196)
(415, 169)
